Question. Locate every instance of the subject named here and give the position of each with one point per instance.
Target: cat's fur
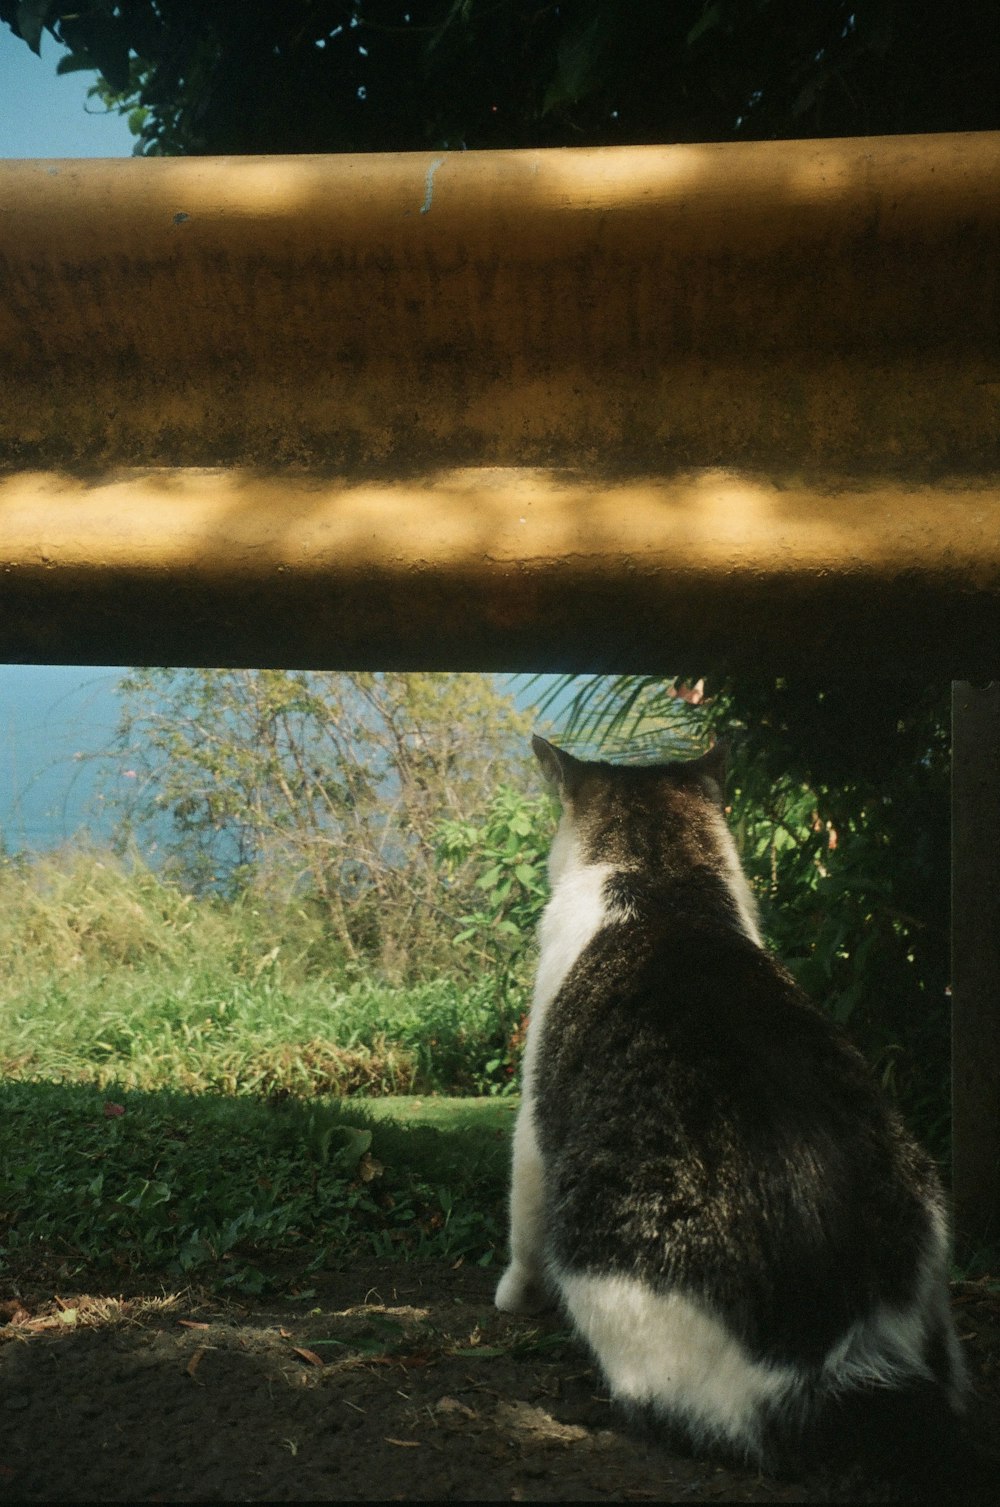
(705, 1174)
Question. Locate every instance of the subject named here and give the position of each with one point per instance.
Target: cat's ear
(710, 770)
(562, 771)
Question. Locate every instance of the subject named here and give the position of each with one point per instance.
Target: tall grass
(131, 1014)
(110, 974)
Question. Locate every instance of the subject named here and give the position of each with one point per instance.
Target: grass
(240, 1193)
(460, 1116)
(212, 1032)
(186, 1097)
(112, 976)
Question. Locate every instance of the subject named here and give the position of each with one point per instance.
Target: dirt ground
(399, 1383)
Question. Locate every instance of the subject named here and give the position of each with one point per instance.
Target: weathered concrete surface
(482, 568)
(293, 410)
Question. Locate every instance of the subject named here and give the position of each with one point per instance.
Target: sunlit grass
(186, 1097)
(113, 975)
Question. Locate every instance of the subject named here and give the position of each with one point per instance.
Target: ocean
(55, 721)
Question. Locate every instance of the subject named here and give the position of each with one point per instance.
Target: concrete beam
(293, 410)
(494, 568)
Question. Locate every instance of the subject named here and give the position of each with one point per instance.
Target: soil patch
(392, 1382)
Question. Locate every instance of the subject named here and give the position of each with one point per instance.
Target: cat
(705, 1173)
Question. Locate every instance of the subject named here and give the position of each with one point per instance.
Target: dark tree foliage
(379, 75)
(871, 938)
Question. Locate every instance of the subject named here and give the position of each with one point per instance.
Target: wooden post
(975, 969)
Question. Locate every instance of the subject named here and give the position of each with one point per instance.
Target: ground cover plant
(237, 1192)
(185, 1097)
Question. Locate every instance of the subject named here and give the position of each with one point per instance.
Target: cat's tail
(904, 1444)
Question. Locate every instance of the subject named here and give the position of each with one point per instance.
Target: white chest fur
(575, 913)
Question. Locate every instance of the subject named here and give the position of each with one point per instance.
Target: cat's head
(662, 817)
(568, 775)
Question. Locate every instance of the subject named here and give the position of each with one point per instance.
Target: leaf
(106, 36)
(544, 1342)
(247, 1279)
(31, 16)
(709, 19)
(195, 1361)
(452, 1405)
(353, 1142)
(151, 1192)
(309, 1356)
(576, 55)
(77, 62)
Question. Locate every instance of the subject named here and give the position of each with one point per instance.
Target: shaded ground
(395, 1383)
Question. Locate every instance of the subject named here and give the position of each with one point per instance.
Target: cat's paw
(521, 1291)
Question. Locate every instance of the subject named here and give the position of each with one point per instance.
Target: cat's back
(684, 1010)
(653, 978)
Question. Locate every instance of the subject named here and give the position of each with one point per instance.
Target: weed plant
(113, 975)
(180, 1090)
(240, 1193)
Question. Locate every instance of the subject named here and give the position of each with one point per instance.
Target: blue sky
(50, 713)
(42, 115)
